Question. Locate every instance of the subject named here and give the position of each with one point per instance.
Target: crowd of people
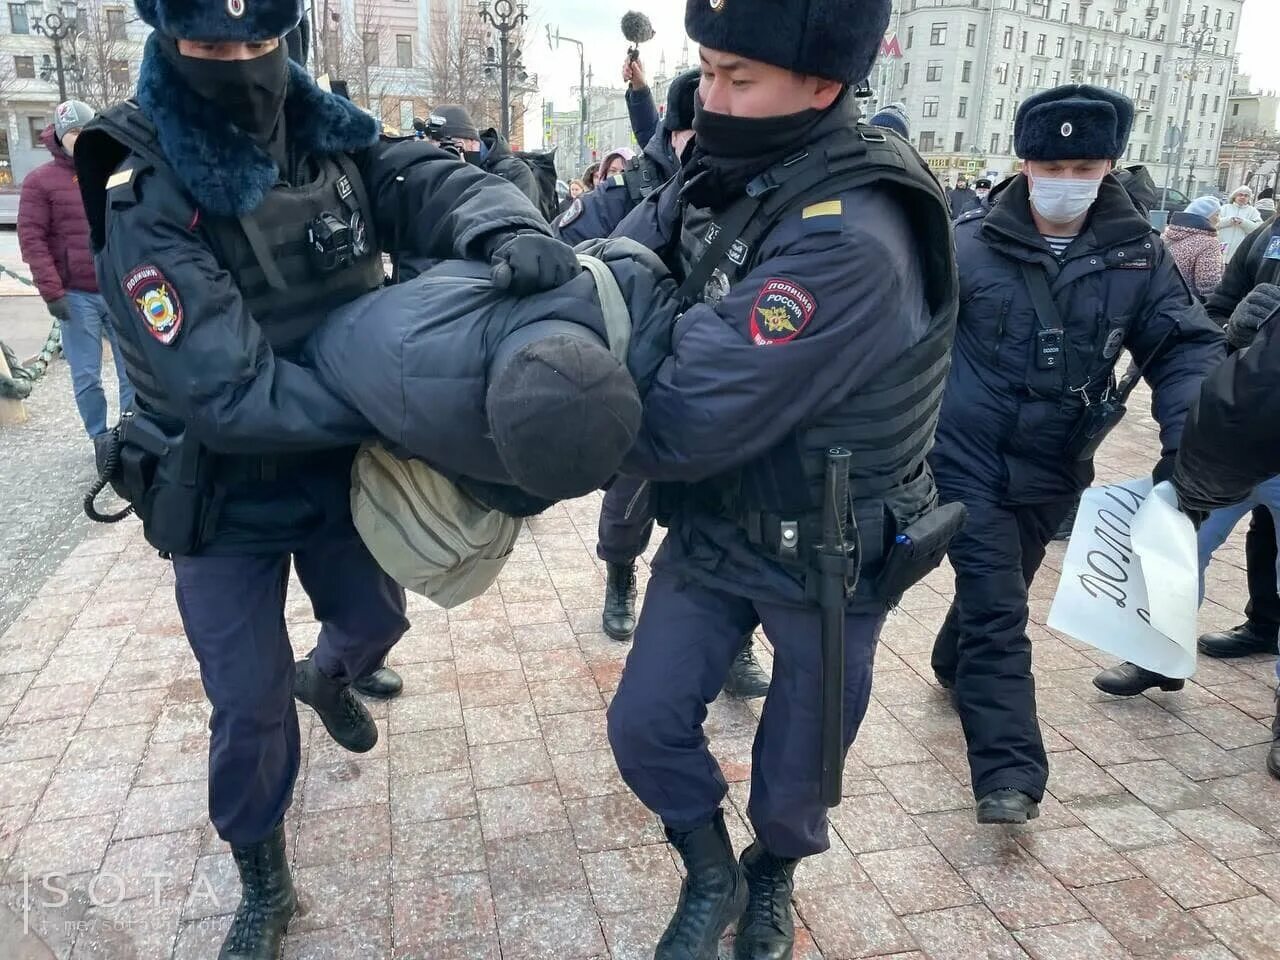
(775, 333)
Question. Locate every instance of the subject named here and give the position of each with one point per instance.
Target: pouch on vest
(918, 551)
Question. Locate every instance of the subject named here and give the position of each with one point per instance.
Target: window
(962, 107)
(1142, 153)
(933, 72)
(911, 36)
(1008, 38)
(928, 141)
(995, 143)
(1002, 73)
(24, 68)
(1065, 13)
(938, 35)
(115, 23)
(404, 52)
(1057, 79)
(1036, 76)
(1077, 50)
(971, 35)
(906, 74)
(931, 106)
(966, 72)
(406, 114)
(959, 144)
(35, 127)
(1217, 105)
(18, 21)
(1017, 79)
(118, 72)
(1022, 42)
(1155, 64)
(999, 114)
(371, 49)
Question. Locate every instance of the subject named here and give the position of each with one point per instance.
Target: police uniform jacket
(598, 213)
(203, 365)
(1004, 429)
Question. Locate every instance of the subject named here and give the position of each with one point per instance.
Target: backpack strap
(613, 305)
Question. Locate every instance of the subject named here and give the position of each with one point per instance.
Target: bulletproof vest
(303, 249)
(888, 424)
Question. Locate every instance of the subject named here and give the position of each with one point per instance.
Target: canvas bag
(422, 529)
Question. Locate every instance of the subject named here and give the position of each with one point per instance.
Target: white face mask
(1062, 199)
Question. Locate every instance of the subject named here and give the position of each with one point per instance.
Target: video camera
(432, 129)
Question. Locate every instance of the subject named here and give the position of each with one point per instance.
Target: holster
(166, 475)
(918, 551)
(1098, 420)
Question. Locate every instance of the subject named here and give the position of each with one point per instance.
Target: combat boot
(619, 619)
(767, 930)
(712, 896)
(746, 678)
(267, 901)
(1007, 805)
(343, 715)
(381, 684)
(1273, 757)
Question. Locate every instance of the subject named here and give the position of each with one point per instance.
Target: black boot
(1273, 758)
(1007, 806)
(712, 896)
(746, 678)
(267, 901)
(766, 931)
(1241, 641)
(619, 619)
(1129, 680)
(343, 715)
(381, 684)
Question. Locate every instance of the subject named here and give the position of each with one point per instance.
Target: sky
(1259, 43)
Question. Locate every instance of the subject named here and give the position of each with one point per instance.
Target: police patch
(1273, 249)
(570, 215)
(781, 312)
(157, 302)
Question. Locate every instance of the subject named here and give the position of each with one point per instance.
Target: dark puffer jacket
(1001, 442)
(53, 231)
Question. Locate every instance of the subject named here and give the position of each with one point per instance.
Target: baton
(833, 591)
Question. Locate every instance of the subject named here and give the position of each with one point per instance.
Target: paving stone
(532, 866)
(1077, 857)
(1223, 833)
(576, 933)
(81, 793)
(107, 747)
(356, 833)
(505, 723)
(573, 695)
(336, 894)
(1253, 796)
(852, 921)
(367, 940)
(1106, 742)
(508, 764)
(13, 686)
(915, 879)
(1188, 874)
(522, 809)
(1124, 822)
(158, 867)
(53, 703)
(1159, 785)
(1023, 894)
(962, 933)
(135, 928)
(1262, 872)
(437, 848)
(592, 773)
(1073, 776)
(123, 709)
(445, 795)
(545, 636)
(492, 689)
(163, 809)
(73, 668)
(61, 847)
(432, 711)
(215, 888)
(875, 822)
(611, 822)
(632, 936)
(1144, 920)
(1082, 940)
(1228, 727)
(925, 788)
(1197, 756)
(178, 761)
(346, 783)
(575, 732)
(129, 675)
(25, 780)
(427, 751)
(1250, 927)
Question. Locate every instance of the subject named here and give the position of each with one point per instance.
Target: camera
(433, 129)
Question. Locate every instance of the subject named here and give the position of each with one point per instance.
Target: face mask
(982, 194)
(1061, 199)
(473, 157)
(720, 135)
(250, 92)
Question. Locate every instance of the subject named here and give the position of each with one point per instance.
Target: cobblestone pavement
(491, 822)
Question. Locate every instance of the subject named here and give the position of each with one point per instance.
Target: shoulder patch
(1273, 249)
(832, 208)
(570, 215)
(120, 178)
(781, 312)
(157, 302)
(619, 180)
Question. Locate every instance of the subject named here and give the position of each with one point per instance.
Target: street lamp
(582, 91)
(58, 29)
(1198, 38)
(505, 17)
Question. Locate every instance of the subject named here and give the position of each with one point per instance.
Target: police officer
(1057, 274)
(1243, 300)
(230, 207)
(795, 340)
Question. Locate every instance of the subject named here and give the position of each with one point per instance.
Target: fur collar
(225, 172)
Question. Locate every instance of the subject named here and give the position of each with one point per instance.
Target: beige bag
(424, 531)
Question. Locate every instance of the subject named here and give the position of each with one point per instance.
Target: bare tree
(103, 54)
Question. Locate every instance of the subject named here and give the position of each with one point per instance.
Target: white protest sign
(1130, 580)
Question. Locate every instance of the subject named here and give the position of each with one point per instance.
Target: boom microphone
(637, 29)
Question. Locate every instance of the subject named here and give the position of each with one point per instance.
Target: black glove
(530, 263)
(1251, 313)
(59, 308)
(1164, 469)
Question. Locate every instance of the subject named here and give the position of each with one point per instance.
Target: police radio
(335, 244)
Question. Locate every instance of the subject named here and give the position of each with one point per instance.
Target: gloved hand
(530, 263)
(1251, 313)
(59, 308)
(1164, 469)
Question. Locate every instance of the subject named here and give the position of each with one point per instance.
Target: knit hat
(833, 39)
(680, 101)
(563, 412)
(458, 123)
(1073, 122)
(71, 115)
(1266, 206)
(893, 117)
(221, 21)
(1203, 207)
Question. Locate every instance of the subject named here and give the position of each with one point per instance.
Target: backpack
(543, 166)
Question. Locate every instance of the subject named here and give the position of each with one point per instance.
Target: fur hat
(680, 101)
(221, 21)
(833, 39)
(1073, 122)
(458, 122)
(893, 117)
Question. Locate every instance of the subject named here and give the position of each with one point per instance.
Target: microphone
(637, 29)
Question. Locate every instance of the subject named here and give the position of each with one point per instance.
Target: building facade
(963, 67)
(1250, 151)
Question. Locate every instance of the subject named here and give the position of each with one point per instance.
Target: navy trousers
(233, 610)
(626, 521)
(687, 637)
(983, 648)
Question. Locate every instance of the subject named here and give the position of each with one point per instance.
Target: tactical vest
(888, 424)
(304, 248)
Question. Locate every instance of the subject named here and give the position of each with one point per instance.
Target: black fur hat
(680, 101)
(1074, 122)
(221, 21)
(833, 39)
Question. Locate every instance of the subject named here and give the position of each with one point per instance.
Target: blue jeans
(82, 332)
(1215, 530)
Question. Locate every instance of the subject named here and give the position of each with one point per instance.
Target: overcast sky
(1259, 43)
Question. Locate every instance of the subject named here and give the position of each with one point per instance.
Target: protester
(589, 177)
(963, 199)
(1236, 220)
(1192, 238)
(576, 188)
(1266, 207)
(893, 117)
(53, 235)
(614, 162)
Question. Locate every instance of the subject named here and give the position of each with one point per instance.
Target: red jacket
(52, 229)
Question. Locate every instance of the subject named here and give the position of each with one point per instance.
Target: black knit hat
(833, 39)
(680, 101)
(457, 122)
(221, 21)
(563, 412)
(1073, 122)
